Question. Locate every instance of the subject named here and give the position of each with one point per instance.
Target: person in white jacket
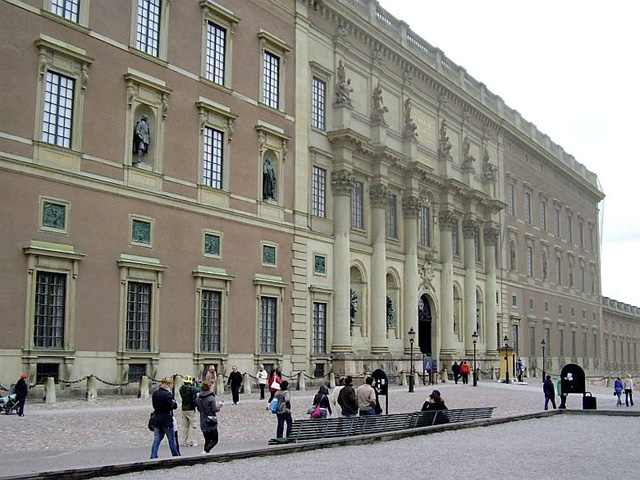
(262, 376)
(628, 390)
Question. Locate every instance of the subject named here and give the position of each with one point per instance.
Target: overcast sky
(572, 68)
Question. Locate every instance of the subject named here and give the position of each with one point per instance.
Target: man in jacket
(455, 368)
(366, 398)
(21, 390)
(549, 393)
(163, 405)
(235, 381)
(347, 399)
(188, 392)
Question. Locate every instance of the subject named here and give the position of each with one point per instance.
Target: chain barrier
(74, 381)
(111, 383)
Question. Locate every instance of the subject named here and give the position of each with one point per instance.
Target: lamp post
(506, 358)
(543, 344)
(475, 374)
(412, 335)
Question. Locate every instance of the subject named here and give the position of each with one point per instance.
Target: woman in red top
(276, 377)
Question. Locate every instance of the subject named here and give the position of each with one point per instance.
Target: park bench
(320, 428)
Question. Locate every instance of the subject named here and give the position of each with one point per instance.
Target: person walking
(322, 399)
(212, 377)
(208, 408)
(366, 397)
(235, 381)
(347, 399)
(188, 393)
(262, 377)
(618, 388)
(283, 412)
(464, 373)
(628, 390)
(549, 393)
(335, 393)
(274, 382)
(21, 390)
(455, 368)
(163, 405)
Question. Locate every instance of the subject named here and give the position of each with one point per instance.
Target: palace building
(296, 183)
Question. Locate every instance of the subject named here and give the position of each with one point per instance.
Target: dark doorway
(424, 325)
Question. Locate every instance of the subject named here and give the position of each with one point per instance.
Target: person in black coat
(436, 402)
(347, 399)
(163, 406)
(235, 381)
(21, 390)
(549, 393)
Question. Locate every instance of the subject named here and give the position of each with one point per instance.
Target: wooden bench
(320, 428)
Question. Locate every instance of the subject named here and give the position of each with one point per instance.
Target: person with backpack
(208, 408)
(464, 373)
(283, 411)
(347, 399)
(188, 393)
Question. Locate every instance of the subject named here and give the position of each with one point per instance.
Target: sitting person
(436, 402)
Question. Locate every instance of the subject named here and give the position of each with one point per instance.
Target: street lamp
(475, 374)
(544, 373)
(412, 335)
(506, 358)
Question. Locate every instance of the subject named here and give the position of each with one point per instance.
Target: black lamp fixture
(543, 344)
(506, 358)
(475, 373)
(412, 339)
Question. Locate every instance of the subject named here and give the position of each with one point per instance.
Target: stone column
(446, 221)
(469, 232)
(379, 200)
(341, 187)
(491, 235)
(411, 209)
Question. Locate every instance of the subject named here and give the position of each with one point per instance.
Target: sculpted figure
(268, 180)
(344, 89)
(379, 109)
(141, 139)
(410, 126)
(444, 145)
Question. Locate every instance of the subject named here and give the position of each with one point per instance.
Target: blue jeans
(158, 435)
(619, 401)
(284, 417)
(368, 412)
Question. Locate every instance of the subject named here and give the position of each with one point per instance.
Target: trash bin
(589, 402)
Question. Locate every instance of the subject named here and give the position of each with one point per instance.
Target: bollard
(92, 388)
(416, 379)
(332, 380)
(246, 383)
(219, 385)
(144, 387)
(50, 391)
(443, 375)
(301, 384)
(177, 384)
(403, 378)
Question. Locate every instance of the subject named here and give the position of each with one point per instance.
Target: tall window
(425, 226)
(476, 246)
(570, 227)
(66, 9)
(558, 270)
(547, 339)
(581, 234)
(573, 343)
(318, 101)
(357, 205)
(319, 192)
(584, 344)
(532, 340)
(530, 261)
(527, 207)
(148, 26)
(591, 239)
(543, 214)
(561, 342)
(210, 321)
(319, 328)
(582, 278)
(212, 158)
(57, 119)
(48, 328)
(392, 225)
(271, 80)
(556, 222)
(511, 199)
(268, 316)
(215, 54)
(138, 316)
(455, 239)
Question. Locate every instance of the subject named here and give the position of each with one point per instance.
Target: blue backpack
(274, 405)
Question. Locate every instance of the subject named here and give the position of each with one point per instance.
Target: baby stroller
(9, 404)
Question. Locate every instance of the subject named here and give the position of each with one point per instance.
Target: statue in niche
(344, 89)
(141, 139)
(379, 109)
(268, 180)
(410, 126)
(354, 306)
(489, 170)
(427, 272)
(390, 312)
(467, 158)
(444, 145)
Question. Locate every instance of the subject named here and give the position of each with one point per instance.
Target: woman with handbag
(321, 404)
(275, 380)
(208, 408)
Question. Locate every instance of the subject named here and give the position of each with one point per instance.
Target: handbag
(151, 425)
(311, 409)
(316, 413)
(275, 385)
(211, 420)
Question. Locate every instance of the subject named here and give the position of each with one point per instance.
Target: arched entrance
(424, 325)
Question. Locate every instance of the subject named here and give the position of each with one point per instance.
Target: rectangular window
(271, 80)
(532, 341)
(591, 239)
(57, 118)
(268, 316)
(455, 241)
(570, 227)
(527, 207)
(573, 343)
(558, 270)
(547, 339)
(67, 9)
(210, 321)
(392, 226)
(318, 101)
(585, 352)
(582, 279)
(136, 371)
(269, 255)
(319, 328)
(511, 199)
(357, 205)
(543, 214)
(425, 226)
(212, 158)
(581, 234)
(514, 300)
(556, 222)
(50, 301)
(319, 192)
(530, 261)
(561, 342)
(516, 337)
(476, 246)
(215, 54)
(212, 244)
(148, 26)
(138, 316)
(46, 370)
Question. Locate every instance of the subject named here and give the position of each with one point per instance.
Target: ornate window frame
(218, 280)
(276, 47)
(269, 286)
(226, 19)
(163, 33)
(321, 294)
(83, 13)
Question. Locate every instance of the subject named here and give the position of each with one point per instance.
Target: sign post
(382, 386)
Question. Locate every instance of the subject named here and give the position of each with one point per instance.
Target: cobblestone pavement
(75, 433)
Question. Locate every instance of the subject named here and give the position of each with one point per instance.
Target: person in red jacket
(464, 373)
(274, 379)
